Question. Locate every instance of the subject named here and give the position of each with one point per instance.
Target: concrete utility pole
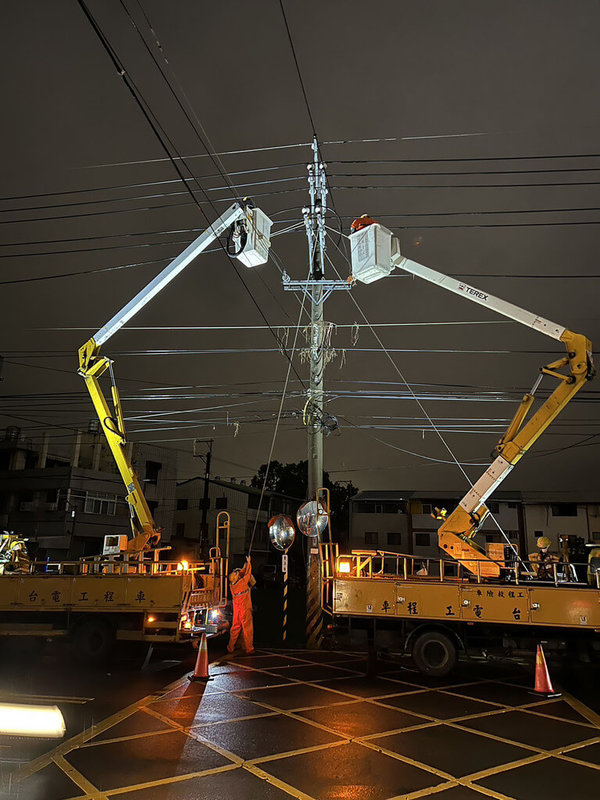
(203, 524)
(317, 290)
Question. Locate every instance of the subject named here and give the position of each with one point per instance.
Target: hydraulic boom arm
(375, 252)
(249, 229)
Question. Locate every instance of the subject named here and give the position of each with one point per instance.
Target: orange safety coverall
(242, 611)
(362, 222)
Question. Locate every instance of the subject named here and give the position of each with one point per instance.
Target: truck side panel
(572, 607)
(564, 607)
(94, 592)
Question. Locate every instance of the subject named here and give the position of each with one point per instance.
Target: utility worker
(543, 559)
(362, 222)
(240, 583)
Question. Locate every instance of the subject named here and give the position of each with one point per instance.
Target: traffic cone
(543, 684)
(201, 669)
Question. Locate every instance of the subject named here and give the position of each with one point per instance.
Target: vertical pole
(314, 222)
(371, 648)
(284, 569)
(203, 523)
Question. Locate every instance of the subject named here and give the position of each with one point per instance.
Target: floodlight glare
(25, 720)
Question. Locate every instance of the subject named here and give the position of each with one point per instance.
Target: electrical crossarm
(375, 252)
(248, 240)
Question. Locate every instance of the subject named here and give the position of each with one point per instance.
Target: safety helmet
(543, 542)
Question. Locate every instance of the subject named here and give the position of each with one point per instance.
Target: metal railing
(381, 564)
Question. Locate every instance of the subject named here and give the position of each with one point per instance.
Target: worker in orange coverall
(240, 583)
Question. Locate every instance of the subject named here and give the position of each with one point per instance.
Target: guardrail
(382, 564)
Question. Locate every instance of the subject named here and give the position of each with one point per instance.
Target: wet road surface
(304, 724)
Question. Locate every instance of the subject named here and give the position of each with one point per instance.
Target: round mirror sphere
(281, 532)
(309, 522)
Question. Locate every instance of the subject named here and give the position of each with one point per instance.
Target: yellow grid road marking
(71, 744)
(285, 787)
(407, 760)
(567, 752)
(532, 712)
(79, 779)
(290, 753)
(174, 779)
(128, 738)
(519, 762)
(582, 709)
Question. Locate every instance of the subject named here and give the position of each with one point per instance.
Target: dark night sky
(522, 75)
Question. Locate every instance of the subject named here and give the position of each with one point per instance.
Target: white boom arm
(249, 255)
(375, 252)
(250, 231)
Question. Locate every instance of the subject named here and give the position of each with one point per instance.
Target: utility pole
(203, 524)
(317, 289)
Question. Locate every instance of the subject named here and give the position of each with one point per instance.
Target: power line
(300, 79)
(136, 185)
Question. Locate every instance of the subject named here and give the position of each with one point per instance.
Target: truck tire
(434, 653)
(93, 640)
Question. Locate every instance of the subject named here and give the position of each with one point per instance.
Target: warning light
(344, 567)
(183, 566)
(185, 622)
(150, 618)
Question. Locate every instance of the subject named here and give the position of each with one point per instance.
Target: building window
(564, 509)
(52, 496)
(253, 500)
(100, 503)
(427, 508)
(493, 507)
(394, 538)
(182, 504)
(422, 540)
(595, 536)
(365, 508)
(221, 502)
(371, 537)
(180, 529)
(152, 470)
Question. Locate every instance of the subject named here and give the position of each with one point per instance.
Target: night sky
(490, 172)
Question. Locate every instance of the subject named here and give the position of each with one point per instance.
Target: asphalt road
(88, 695)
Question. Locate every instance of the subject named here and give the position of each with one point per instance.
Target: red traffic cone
(543, 684)
(201, 669)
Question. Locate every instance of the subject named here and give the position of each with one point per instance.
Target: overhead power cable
(386, 186)
(139, 185)
(171, 154)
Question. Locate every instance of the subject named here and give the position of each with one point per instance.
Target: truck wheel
(434, 653)
(93, 640)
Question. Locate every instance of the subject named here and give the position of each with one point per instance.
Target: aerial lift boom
(249, 231)
(375, 252)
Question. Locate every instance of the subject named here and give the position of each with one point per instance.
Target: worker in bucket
(240, 583)
(543, 559)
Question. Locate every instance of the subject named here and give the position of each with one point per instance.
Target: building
(402, 522)
(69, 500)
(247, 523)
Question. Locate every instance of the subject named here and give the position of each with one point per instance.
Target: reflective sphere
(308, 522)
(281, 532)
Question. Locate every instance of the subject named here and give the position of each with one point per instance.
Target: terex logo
(474, 292)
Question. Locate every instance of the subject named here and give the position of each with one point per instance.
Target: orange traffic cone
(543, 684)
(201, 669)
